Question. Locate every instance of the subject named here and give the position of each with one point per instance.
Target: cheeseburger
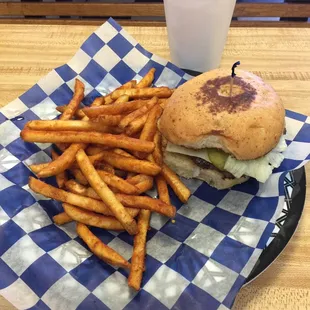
(223, 137)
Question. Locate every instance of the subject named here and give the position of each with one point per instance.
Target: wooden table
(280, 56)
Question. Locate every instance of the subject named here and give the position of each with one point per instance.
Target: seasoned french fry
(79, 114)
(75, 101)
(79, 189)
(97, 102)
(67, 115)
(35, 168)
(68, 157)
(57, 125)
(96, 159)
(119, 134)
(145, 184)
(95, 149)
(101, 250)
(150, 128)
(92, 219)
(138, 178)
(62, 147)
(107, 100)
(142, 182)
(130, 175)
(105, 193)
(131, 84)
(132, 203)
(147, 80)
(79, 176)
(118, 183)
(58, 194)
(176, 184)
(61, 195)
(135, 93)
(61, 108)
(65, 160)
(139, 251)
(136, 125)
(147, 203)
(122, 152)
(129, 164)
(114, 109)
(163, 103)
(86, 137)
(157, 153)
(122, 99)
(62, 218)
(108, 168)
(108, 120)
(137, 113)
(62, 177)
(162, 189)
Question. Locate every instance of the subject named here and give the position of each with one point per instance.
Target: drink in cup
(197, 31)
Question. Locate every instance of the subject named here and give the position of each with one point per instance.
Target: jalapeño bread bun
(201, 114)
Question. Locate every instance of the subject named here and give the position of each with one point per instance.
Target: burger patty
(206, 165)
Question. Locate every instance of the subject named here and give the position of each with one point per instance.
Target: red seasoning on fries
(111, 153)
(144, 184)
(147, 80)
(87, 137)
(136, 93)
(150, 128)
(62, 162)
(108, 99)
(108, 120)
(75, 102)
(62, 218)
(79, 114)
(176, 184)
(101, 250)
(139, 251)
(62, 177)
(70, 125)
(92, 219)
(130, 164)
(137, 113)
(105, 193)
(136, 125)
(114, 109)
(157, 153)
(77, 200)
(162, 189)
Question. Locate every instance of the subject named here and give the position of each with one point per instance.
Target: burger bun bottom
(185, 167)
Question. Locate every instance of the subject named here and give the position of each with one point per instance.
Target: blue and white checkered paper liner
(199, 262)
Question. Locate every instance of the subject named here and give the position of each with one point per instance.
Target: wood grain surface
(279, 55)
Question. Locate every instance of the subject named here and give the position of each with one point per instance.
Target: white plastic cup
(197, 31)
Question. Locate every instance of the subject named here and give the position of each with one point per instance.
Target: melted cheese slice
(260, 168)
(202, 153)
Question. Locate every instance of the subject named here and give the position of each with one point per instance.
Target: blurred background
(8, 11)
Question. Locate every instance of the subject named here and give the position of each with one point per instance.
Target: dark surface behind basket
(258, 13)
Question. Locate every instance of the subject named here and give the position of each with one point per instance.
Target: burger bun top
(201, 114)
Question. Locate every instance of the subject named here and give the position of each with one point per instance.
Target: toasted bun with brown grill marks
(201, 114)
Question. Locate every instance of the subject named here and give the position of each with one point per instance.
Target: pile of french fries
(108, 155)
